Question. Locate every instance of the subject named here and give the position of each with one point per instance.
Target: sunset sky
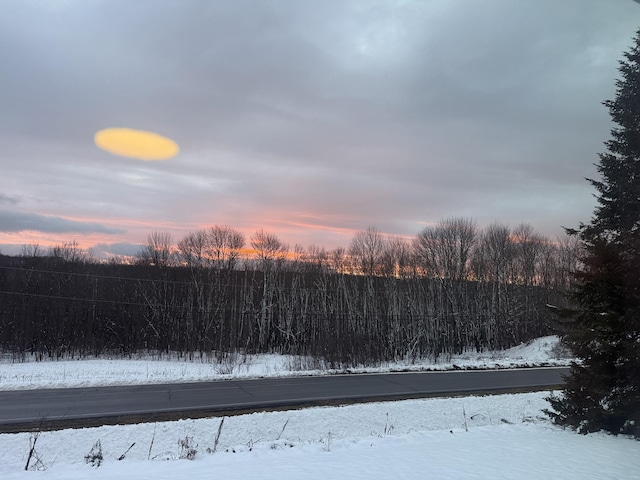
(310, 119)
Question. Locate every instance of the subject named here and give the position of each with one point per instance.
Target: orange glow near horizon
(47, 240)
(136, 231)
(139, 144)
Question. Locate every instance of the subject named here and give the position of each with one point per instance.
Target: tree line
(452, 287)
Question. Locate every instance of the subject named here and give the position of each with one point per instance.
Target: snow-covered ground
(96, 372)
(482, 437)
(492, 437)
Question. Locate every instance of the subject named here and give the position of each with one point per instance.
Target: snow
(101, 372)
(483, 437)
(491, 437)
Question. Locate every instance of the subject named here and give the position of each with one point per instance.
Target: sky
(312, 120)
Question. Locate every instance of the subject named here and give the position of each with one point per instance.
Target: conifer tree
(602, 390)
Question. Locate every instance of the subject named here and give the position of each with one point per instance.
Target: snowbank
(102, 372)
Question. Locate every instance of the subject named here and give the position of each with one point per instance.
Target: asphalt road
(57, 408)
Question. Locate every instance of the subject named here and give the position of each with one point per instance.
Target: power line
(76, 299)
(132, 279)
(194, 280)
(92, 275)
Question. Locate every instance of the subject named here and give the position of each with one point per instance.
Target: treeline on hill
(453, 287)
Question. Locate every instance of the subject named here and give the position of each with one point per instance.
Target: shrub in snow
(187, 448)
(33, 454)
(94, 457)
(217, 439)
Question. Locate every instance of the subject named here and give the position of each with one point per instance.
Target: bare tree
(366, 251)
(492, 269)
(445, 249)
(497, 249)
(569, 252)
(528, 247)
(547, 264)
(316, 258)
(31, 250)
(397, 258)
(218, 246)
(69, 252)
(269, 249)
(338, 260)
(158, 251)
(224, 246)
(192, 249)
(270, 252)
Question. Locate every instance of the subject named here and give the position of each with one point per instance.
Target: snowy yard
(483, 437)
(493, 437)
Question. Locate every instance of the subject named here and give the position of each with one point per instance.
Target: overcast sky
(311, 119)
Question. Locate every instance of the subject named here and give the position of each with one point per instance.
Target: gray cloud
(102, 250)
(6, 199)
(20, 222)
(351, 113)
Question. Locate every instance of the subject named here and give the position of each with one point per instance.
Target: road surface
(58, 408)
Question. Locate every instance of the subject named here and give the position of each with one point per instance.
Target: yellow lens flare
(138, 144)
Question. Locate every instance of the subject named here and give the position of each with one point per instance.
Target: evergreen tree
(602, 391)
